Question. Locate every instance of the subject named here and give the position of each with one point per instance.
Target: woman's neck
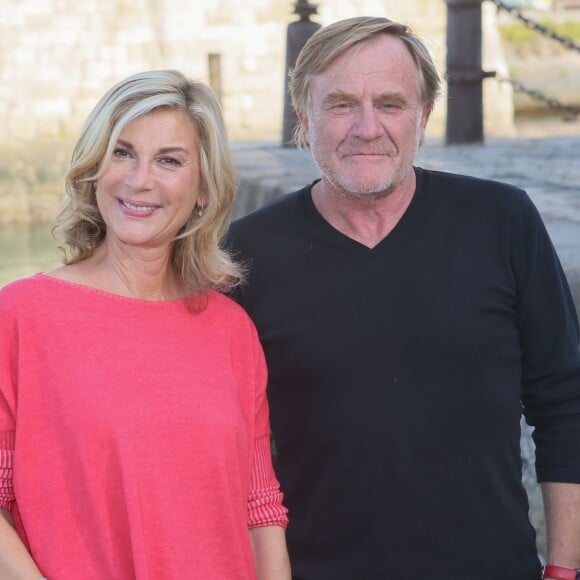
(145, 273)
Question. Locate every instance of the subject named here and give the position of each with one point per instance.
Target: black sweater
(398, 375)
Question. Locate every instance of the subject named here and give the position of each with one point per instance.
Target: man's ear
(303, 119)
(425, 113)
(427, 109)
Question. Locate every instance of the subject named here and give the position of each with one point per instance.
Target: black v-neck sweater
(398, 375)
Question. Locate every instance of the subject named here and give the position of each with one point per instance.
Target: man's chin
(363, 189)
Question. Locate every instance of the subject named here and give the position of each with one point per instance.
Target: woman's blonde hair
(330, 42)
(197, 256)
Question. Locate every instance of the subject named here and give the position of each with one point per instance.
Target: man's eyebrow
(395, 98)
(337, 96)
(340, 96)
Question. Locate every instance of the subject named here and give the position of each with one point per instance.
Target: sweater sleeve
(7, 404)
(6, 466)
(549, 337)
(265, 506)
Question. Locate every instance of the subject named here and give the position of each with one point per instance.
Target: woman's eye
(170, 161)
(120, 153)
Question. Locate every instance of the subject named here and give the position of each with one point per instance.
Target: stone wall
(57, 57)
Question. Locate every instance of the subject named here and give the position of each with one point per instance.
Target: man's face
(365, 120)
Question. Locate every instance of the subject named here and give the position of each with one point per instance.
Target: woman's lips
(138, 208)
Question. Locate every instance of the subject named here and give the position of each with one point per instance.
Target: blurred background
(57, 57)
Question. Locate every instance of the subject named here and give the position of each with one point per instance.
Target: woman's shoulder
(23, 296)
(20, 287)
(220, 302)
(240, 333)
(223, 306)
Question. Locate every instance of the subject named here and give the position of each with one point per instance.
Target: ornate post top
(305, 10)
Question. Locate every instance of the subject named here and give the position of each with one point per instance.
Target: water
(25, 250)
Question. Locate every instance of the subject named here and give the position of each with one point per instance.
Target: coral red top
(134, 435)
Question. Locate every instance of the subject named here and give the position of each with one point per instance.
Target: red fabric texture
(134, 435)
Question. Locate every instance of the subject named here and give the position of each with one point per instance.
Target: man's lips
(367, 152)
(364, 155)
(358, 149)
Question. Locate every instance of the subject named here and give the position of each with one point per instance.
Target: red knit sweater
(134, 435)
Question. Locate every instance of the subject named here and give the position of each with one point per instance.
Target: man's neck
(367, 220)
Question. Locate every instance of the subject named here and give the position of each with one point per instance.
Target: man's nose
(368, 124)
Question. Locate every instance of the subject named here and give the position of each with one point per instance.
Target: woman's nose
(140, 175)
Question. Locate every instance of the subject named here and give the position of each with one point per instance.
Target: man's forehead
(345, 74)
(384, 49)
(372, 61)
(376, 82)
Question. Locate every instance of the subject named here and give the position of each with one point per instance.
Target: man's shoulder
(283, 218)
(473, 192)
(281, 209)
(461, 182)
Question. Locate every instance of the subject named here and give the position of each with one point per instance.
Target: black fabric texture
(398, 376)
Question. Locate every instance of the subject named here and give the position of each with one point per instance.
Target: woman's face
(152, 182)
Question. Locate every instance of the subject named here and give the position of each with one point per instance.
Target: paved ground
(547, 168)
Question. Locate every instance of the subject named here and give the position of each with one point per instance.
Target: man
(407, 317)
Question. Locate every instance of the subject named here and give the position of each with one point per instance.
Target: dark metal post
(297, 35)
(464, 72)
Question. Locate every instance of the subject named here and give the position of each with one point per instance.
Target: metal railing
(570, 112)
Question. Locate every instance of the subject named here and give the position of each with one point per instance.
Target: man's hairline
(308, 78)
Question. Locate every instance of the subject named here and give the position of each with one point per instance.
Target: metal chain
(571, 112)
(564, 40)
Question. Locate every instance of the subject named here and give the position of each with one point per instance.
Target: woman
(134, 434)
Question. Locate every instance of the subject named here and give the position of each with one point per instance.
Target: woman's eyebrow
(163, 150)
(122, 143)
